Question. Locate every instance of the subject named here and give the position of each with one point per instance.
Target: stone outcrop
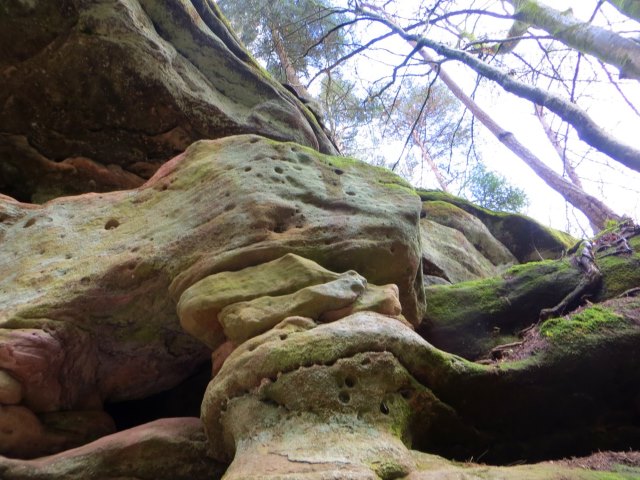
(91, 282)
(242, 304)
(497, 236)
(299, 274)
(457, 246)
(177, 448)
(338, 395)
(169, 448)
(99, 94)
(471, 318)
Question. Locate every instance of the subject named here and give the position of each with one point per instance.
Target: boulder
(345, 394)
(176, 448)
(470, 318)
(449, 255)
(91, 282)
(360, 392)
(99, 94)
(526, 239)
(169, 448)
(244, 303)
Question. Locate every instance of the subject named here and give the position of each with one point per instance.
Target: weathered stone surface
(432, 467)
(90, 285)
(526, 239)
(470, 318)
(446, 253)
(380, 299)
(23, 434)
(449, 215)
(200, 305)
(339, 387)
(175, 448)
(99, 94)
(245, 303)
(169, 448)
(457, 246)
(10, 389)
(243, 320)
(367, 372)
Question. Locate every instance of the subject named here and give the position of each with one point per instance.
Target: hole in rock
(280, 228)
(406, 393)
(278, 170)
(350, 382)
(247, 169)
(283, 336)
(384, 408)
(337, 171)
(111, 224)
(29, 223)
(183, 400)
(344, 397)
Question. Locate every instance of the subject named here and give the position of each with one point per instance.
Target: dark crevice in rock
(181, 401)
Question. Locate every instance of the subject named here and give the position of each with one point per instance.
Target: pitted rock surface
(90, 283)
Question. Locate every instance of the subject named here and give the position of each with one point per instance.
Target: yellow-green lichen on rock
(96, 277)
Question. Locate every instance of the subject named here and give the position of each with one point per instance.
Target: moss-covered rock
(470, 318)
(578, 396)
(447, 254)
(472, 228)
(620, 270)
(245, 303)
(525, 238)
(90, 283)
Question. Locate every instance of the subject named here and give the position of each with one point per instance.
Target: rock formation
(194, 219)
(99, 94)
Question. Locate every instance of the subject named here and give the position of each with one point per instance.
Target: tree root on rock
(590, 282)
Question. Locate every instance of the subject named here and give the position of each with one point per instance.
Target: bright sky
(618, 186)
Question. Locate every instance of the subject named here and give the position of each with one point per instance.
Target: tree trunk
(631, 8)
(287, 66)
(426, 157)
(553, 138)
(588, 130)
(609, 47)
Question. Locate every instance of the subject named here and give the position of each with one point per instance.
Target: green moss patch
(592, 320)
(470, 318)
(621, 272)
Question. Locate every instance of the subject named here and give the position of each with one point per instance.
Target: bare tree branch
(607, 46)
(595, 210)
(588, 130)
